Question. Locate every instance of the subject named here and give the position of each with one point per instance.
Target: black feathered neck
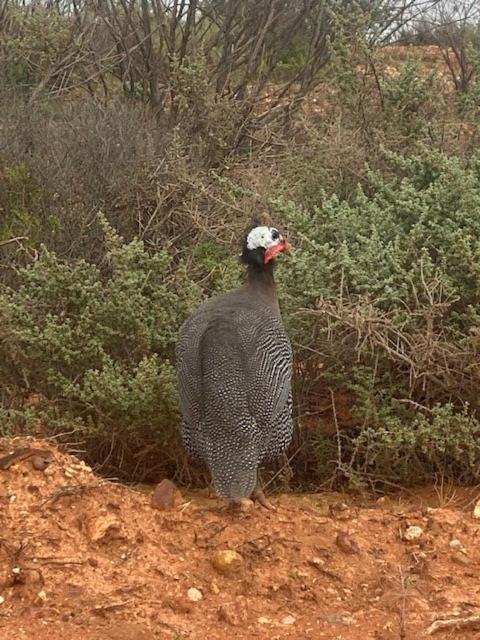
(260, 280)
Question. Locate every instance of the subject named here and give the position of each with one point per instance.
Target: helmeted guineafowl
(234, 364)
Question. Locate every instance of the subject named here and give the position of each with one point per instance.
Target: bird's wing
(258, 360)
(269, 364)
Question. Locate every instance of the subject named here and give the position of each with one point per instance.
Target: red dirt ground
(102, 564)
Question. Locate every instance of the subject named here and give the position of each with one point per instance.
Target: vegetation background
(137, 140)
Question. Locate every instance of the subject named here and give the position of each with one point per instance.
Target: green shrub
(405, 97)
(33, 45)
(98, 346)
(383, 292)
(442, 443)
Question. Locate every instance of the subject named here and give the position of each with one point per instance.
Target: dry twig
(472, 623)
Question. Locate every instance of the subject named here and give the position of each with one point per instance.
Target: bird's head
(261, 245)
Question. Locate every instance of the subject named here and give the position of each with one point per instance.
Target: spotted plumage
(234, 363)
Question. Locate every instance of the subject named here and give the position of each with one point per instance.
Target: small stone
(318, 563)
(455, 544)
(39, 463)
(460, 558)
(287, 620)
(42, 596)
(179, 605)
(323, 507)
(214, 588)
(476, 511)
(264, 620)
(233, 613)
(194, 595)
(343, 618)
(413, 533)
(166, 496)
(104, 527)
(346, 543)
(2, 599)
(12, 498)
(93, 562)
(227, 561)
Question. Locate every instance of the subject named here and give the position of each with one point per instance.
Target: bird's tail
(233, 463)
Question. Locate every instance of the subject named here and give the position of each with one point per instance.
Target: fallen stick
(57, 561)
(110, 606)
(73, 490)
(455, 624)
(22, 454)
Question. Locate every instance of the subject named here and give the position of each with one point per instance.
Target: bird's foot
(261, 498)
(242, 504)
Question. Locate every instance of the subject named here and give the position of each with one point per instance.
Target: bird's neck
(261, 283)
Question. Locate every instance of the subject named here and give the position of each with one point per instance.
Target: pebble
(194, 595)
(39, 463)
(476, 510)
(345, 618)
(264, 620)
(287, 620)
(413, 533)
(460, 558)
(233, 613)
(317, 562)
(346, 543)
(227, 561)
(2, 599)
(104, 527)
(166, 496)
(455, 544)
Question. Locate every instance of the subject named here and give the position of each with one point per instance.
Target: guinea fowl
(234, 364)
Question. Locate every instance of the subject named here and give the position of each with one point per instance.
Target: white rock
(317, 562)
(42, 596)
(413, 533)
(455, 544)
(476, 510)
(2, 599)
(194, 595)
(288, 620)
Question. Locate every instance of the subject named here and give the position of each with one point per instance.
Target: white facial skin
(265, 237)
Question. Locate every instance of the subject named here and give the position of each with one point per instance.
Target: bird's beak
(282, 247)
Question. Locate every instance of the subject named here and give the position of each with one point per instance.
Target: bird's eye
(275, 234)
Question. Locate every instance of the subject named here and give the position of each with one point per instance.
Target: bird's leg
(259, 496)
